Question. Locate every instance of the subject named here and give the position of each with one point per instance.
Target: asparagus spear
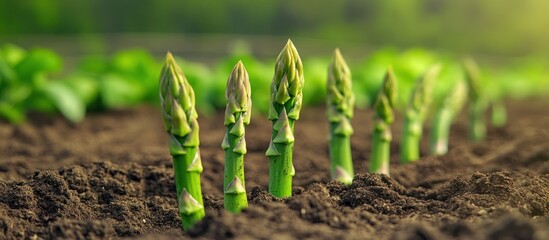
(383, 118)
(415, 115)
(448, 110)
(237, 115)
(340, 104)
(180, 121)
(477, 101)
(285, 106)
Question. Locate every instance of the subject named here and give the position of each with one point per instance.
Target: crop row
(35, 80)
(286, 94)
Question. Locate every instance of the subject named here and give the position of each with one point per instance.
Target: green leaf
(117, 91)
(96, 64)
(38, 61)
(11, 113)
(86, 88)
(66, 101)
(16, 93)
(12, 54)
(7, 75)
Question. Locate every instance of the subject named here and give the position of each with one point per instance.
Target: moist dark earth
(110, 177)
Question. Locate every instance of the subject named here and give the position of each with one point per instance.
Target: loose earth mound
(111, 177)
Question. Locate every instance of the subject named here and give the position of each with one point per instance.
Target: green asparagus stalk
(383, 117)
(340, 104)
(447, 111)
(180, 121)
(237, 115)
(415, 115)
(499, 113)
(477, 101)
(285, 106)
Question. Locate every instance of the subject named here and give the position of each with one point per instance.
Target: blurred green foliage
(30, 80)
(488, 26)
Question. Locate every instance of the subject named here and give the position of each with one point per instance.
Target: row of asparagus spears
(180, 120)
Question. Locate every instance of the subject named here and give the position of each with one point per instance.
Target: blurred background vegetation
(73, 56)
(503, 27)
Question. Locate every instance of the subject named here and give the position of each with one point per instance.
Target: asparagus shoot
(237, 115)
(477, 101)
(180, 121)
(383, 117)
(340, 104)
(447, 111)
(284, 109)
(415, 115)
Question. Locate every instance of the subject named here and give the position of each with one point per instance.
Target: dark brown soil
(111, 177)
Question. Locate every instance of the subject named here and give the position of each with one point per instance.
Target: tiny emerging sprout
(383, 118)
(286, 99)
(340, 103)
(179, 114)
(237, 116)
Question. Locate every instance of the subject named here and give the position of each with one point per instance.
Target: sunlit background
(109, 52)
(499, 27)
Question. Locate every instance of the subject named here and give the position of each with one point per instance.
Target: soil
(110, 177)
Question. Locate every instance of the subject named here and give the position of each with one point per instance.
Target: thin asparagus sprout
(180, 121)
(340, 104)
(477, 101)
(237, 116)
(383, 117)
(415, 115)
(447, 111)
(285, 106)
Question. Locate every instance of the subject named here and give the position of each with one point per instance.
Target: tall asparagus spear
(180, 121)
(447, 111)
(340, 101)
(383, 117)
(237, 115)
(477, 101)
(286, 101)
(415, 115)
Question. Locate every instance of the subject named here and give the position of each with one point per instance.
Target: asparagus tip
(169, 57)
(337, 52)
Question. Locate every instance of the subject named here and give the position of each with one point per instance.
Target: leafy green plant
(340, 106)
(34, 80)
(126, 79)
(285, 106)
(315, 91)
(24, 85)
(237, 115)
(180, 120)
